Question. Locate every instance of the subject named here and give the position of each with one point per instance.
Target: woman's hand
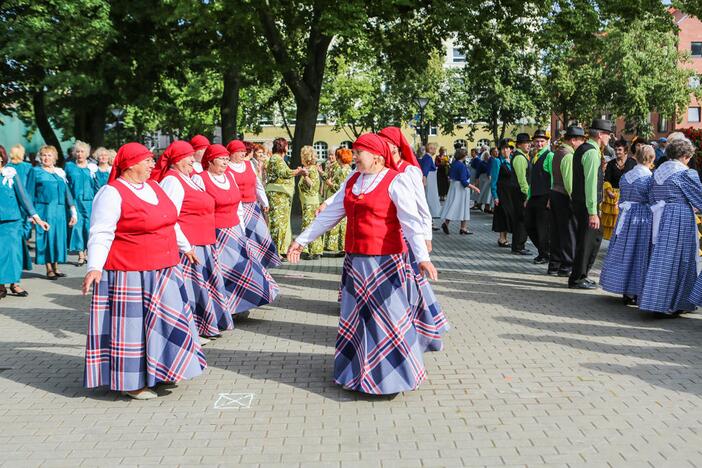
(294, 252)
(429, 246)
(610, 194)
(474, 188)
(73, 221)
(329, 183)
(321, 208)
(41, 223)
(265, 209)
(427, 269)
(91, 280)
(192, 257)
(497, 202)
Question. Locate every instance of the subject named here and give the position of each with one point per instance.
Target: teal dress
(15, 207)
(26, 175)
(82, 182)
(101, 178)
(52, 200)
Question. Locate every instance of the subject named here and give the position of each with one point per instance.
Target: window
(461, 143)
(693, 114)
(433, 131)
(322, 149)
(346, 144)
(694, 82)
(662, 124)
(484, 142)
(696, 49)
(266, 119)
(458, 56)
(321, 119)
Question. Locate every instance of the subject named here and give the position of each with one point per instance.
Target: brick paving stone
(532, 373)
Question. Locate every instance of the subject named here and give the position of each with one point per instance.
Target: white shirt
(401, 193)
(417, 179)
(176, 193)
(239, 168)
(197, 167)
(197, 178)
(107, 209)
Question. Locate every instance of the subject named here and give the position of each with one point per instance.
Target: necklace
(364, 189)
(134, 186)
(224, 178)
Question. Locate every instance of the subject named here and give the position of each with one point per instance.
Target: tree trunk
(97, 118)
(305, 125)
(229, 107)
(44, 125)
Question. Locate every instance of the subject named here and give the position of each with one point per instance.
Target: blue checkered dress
(626, 263)
(246, 282)
(259, 242)
(378, 349)
(206, 294)
(141, 331)
(672, 269)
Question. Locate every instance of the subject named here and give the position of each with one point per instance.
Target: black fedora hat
(540, 134)
(602, 125)
(523, 138)
(573, 132)
(504, 143)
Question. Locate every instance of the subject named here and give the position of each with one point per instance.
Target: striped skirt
(259, 243)
(141, 331)
(378, 350)
(246, 282)
(206, 294)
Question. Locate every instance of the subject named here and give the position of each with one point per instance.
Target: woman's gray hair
(680, 148)
(81, 144)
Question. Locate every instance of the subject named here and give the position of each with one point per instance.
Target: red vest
(402, 166)
(196, 218)
(373, 227)
(247, 182)
(145, 236)
(226, 201)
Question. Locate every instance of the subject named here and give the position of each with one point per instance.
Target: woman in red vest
(196, 230)
(141, 329)
(430, 320)
(247, 283)
(378, 349)
(254, 203)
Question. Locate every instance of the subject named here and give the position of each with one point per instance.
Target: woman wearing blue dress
(672, 268)
(15, 207)
(104, 158)
(83, 184)
(626, 263)
(26, 175)
(457, 206)
(52, 200)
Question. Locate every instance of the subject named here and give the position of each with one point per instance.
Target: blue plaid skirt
(259, 244)
(378, 350)
(429, 319)
(246, 282)
(141, 331)
(206, 294)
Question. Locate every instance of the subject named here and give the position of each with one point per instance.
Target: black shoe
(523, 252)
(60, 275)
(434, 228)
(15, 291)
(563, 273)
(583, 285)
(3, 291)
(551, 272)
(540, 260)
(465, 233)
(506, 244)
(444, 227)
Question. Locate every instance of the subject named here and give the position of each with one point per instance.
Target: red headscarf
(175, 152)
(376, 145)
(213, 152)
(236, 145)
(128, 155)
(395, 136)
(199, 142)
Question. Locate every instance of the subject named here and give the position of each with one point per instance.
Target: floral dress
(334, 238)
(309, 199)
(280, 187)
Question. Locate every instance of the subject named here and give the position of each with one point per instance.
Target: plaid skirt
(259, 244)
(378, 350)
(206, 294)
(429, 319)
(141, 331)
(246, 282)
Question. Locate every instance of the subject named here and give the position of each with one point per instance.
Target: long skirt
(442, 181)
(457, 205)
(206, 294)
(26, 235)
(81, 230)
(315, 247)
(335, 238)
(247, 283)
(503, 219)
(141, 331)
(259, 242)
(626, 262)
(610, 210)
(430, 321)
(672, 268)
(12, 251)
(279, 216)
(485, 197)
(432, 192)
(52, 244)
(378, 350)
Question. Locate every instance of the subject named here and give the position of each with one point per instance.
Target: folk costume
(247, 283)
(520, 194)
(141, 330)
(431, 189)
(101, 177)
(537, 214)
(334, 238)
(378, 349)
(25, 173)
(82, 181)
(310, 201)
(626, 262)
(199, 142)
(501, 175)
(280, 187)
(610, 206)
(457, 205)
(195, 231)
(259, 244)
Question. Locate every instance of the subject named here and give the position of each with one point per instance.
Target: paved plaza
(532, 374)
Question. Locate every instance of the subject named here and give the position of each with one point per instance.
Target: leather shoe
(583, 285)
(563, 273)
(521, 252)
(540, 260)
(552, 272)
(14, 290)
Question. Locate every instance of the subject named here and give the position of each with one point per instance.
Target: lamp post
(118, 113)
(423, 134)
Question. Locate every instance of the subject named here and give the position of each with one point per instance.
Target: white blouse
(176, 193)
(401, 193)
(107, 209)
(260, 191)
(197, 178)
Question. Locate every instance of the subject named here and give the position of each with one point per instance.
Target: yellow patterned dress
(310, 201)
(334, 238)
(280, 186)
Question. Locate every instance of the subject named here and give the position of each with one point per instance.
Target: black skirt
(504, 216)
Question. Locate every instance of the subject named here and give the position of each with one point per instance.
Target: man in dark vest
(562, 220)
(586, 197)
(537, 219)
(520, 193)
